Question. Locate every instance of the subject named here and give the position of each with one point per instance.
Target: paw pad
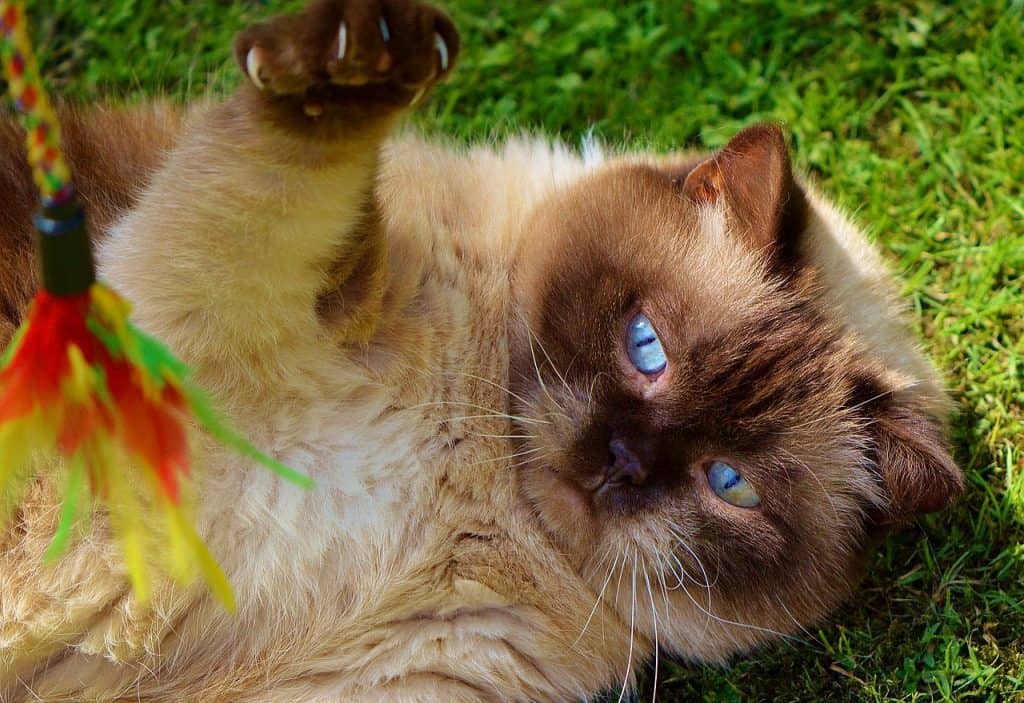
(391, 51)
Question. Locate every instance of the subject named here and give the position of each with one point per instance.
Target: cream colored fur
(414, 572)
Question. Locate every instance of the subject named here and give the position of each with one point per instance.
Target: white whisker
(797, 622)
(528, 461)
(842, 411)
(558, 411)
(824, 492)
(748, 626)
(501, 436)
(632, 628)
(618, 584)
(682, 541)
(700, 565)
(490, 383)
(600, 596)
(507, 457)
(664, 587)
(590, 394)
(547, 356)
(681, 575)
(492, 411)
(654, 614)
(463, 418)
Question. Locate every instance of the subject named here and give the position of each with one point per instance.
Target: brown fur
(437, 335)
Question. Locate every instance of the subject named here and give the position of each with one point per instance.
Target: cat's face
(698, 434)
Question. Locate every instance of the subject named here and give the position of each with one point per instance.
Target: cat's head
(695, 420)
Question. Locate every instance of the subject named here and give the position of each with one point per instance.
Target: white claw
(442, 49)
(342, 41)
(252, 67)
(385, 32)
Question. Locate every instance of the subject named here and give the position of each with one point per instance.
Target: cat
(562, 412)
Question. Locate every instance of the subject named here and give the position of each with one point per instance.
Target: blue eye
(728, 485)
(644, 347)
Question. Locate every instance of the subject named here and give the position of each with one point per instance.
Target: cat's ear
(752, 177)
(914, 463)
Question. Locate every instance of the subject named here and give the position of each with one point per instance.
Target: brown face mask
(703, 411)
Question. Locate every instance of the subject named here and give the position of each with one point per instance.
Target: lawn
(908, 113)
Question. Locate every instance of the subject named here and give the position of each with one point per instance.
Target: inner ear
(753, 178)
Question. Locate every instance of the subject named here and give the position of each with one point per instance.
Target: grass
(908, 113)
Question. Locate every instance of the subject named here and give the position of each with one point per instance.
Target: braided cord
(25, 86)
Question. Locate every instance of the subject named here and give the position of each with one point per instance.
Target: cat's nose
(625, 468)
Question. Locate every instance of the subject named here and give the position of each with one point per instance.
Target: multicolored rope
(25, 85)
(79, 382)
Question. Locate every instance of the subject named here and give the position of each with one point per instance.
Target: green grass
(909, 116)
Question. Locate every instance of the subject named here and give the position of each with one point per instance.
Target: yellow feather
(126, 519)
(81, 381)
(215, 578)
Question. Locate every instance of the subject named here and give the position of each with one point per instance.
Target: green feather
(161, 363)
(13, 347)
(68, 511)
(213, 424)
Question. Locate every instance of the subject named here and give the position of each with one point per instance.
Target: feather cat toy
(79, 380)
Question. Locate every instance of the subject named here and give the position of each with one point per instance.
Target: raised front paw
(349, 58)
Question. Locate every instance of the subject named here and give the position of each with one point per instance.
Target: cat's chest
(409, 442)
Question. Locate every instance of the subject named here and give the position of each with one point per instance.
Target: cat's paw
(349, 57)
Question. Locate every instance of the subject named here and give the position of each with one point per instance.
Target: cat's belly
(412, 566)
(372, 576)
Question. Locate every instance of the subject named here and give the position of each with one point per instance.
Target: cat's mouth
(613, 487)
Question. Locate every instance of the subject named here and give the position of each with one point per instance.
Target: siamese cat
(562, 413)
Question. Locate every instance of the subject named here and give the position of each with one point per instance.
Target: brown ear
(916, 468)
(752, 176)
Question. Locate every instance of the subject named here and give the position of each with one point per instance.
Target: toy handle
(65, 251)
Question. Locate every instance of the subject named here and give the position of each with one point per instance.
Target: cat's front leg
(266, 198)
(224, 256)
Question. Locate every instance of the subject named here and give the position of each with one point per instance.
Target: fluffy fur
(424, 330)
